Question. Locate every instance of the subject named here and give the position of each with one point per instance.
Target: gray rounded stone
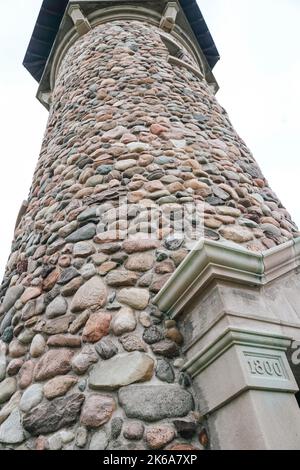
(99, 441)
(11, 431)
(31, 397)
(155, 402)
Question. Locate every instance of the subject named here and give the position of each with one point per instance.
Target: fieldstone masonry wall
(86, 361)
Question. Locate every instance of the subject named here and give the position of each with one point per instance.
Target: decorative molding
(81, 23)
(180, 63)
(252, 361)
(230, 337)
(211, 260)
(169, 17)
(45, 98)
(96, 15)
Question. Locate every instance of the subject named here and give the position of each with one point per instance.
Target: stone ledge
(211, 260)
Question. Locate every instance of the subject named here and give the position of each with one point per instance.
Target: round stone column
(86, 361)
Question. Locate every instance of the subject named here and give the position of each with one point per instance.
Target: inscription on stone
(260, 366)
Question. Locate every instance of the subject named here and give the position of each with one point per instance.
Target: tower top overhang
(53, 12)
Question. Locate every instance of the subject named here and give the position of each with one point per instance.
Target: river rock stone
(32, 396)
(133, 343)
(92, 294)
(164, 371)
(134, 431)
(166, 348)
(97, 410)
(51, 416)
(59, 386)
(11, 431)
(55, 362)
(106, 348)
(134, 297)
(99, 441)
(159, 436)
(11, 296)
(7, 389)
(96, 327)
(38, 346)
(123, 321)
(123, 369)
(26, 374)
(153, 335)
(57, 307)
(140, 262)
(7, 409)
(155, 402)
(82, 361)
(84, 233)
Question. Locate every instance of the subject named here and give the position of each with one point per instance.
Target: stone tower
(114, 333)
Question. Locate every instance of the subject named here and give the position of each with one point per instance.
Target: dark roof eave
(52, 12)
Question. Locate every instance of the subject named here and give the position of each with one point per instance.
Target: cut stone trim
(211, 260)
(227, 339)
(175, 61)
(253, 361)
(169, 17)
(81, 23)
(95, 16)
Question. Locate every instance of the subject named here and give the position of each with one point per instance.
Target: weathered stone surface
(123, 369)
(56, 362)
(55, 326)
(14, 366)
(96, 327)
(81, 437)
(79, 322)
(84, 233)
(164, 371)
(134, 297)
(155, 402)
(83, 249)
(11, 296)
(99, 441)
(64, 341)
(153, 335)
(3, 360)
(11, 431)
(97, 410)
(121, 278)
(26, 374)
(236, 234)
(166, 348)
(116, 427)
(7, 389)
(134, 431)
(10, 406)
(92, 294)
(123, 321)
(38, 346)
(106, 348)
(52, 416)
(159, 436)
(16, 349)
(133, 343)
(30, 293)
(57, 307)
(139, 245)
(32, 396)
(140, 262)
(82, 361)
(59, 386)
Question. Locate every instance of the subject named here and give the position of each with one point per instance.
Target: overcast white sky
(259, 75)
